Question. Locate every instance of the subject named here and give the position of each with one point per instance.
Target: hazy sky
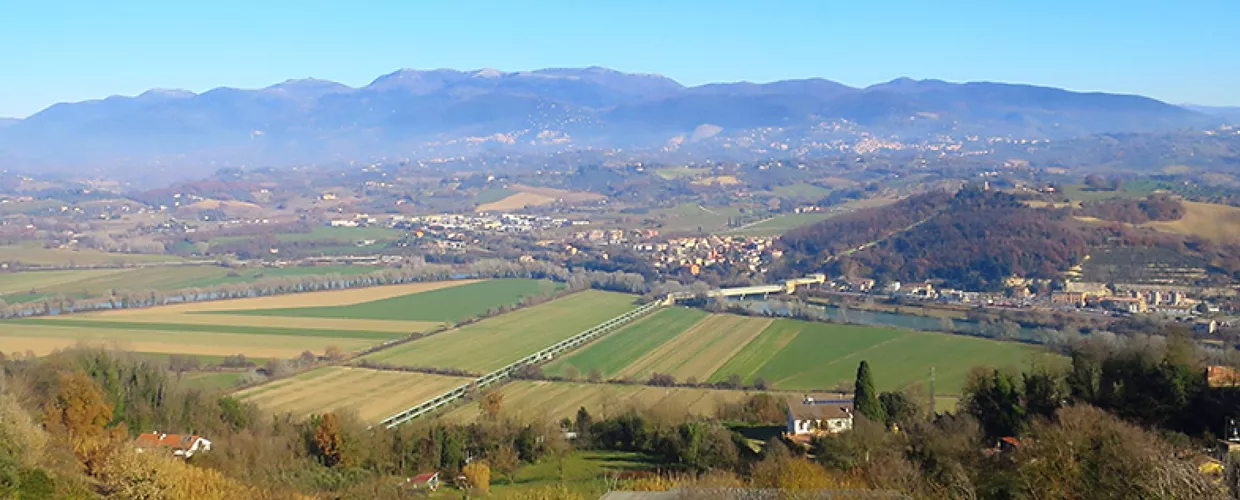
(1183, 51)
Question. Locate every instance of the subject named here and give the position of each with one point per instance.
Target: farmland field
(699, 351)
(796, 355)
(39, 256)
(613, 353)
(551, 401)
(1218, 223)
(228, 329)
(83, 283)
(780, 224)
(372, 394)
(449, 305)
(788, 354)
(516, 201)
(43, 339)
(494, 342)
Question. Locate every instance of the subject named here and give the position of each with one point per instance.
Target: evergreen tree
(865, 398)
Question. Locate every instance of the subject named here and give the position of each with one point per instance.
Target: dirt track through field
(700, 350)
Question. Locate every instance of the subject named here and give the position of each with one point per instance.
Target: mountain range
(415, 113)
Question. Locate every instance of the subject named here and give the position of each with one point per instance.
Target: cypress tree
(865, 398)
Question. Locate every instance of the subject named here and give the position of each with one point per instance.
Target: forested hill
(974, 240)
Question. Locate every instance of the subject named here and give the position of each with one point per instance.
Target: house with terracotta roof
(181, 445)
(428, 481)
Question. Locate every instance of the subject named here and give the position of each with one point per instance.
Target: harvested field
(797, 355)
(311, 299)
(494, 342)
(614, 352)
(1211, 221)
(552, 401)
(559, 194)
(41, 339)
(701, 350)
(372, 394)
(516, 202)
(157, 315)
(449, 305)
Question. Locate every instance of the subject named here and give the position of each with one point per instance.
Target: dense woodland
(973, 240)
(1130, 211)
(976, 239)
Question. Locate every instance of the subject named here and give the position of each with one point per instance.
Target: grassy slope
(797, 355)
(495, 342)
(584, 473)
(550, 401)
(780, 224)
(1218, 223)
(449, 304)
(617, 350)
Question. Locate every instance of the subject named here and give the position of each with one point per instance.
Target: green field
(211, 381)
(324, 233)
(789, 354)
(450, 305)
(195, 329)
(494, 342)
(802, 190)
(690, 217)
(780, 224)
(35, 254)
(796, 355)
(1131, 189)
(614, 352)
(491, 195)
(584, 473)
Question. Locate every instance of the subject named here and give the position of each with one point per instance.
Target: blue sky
(55, 51)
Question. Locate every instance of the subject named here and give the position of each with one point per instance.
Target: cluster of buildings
(500, 223)
(615, 236)
(695, 254)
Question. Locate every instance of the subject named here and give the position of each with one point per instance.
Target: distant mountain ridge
(411, 113)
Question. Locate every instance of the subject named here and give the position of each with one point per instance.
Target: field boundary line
(737, 349)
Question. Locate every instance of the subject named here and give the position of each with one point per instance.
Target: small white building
(819, 416)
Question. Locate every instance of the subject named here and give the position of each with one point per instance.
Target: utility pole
(931, 391)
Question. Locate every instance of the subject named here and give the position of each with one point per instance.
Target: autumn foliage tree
(328, 440)
(79, 413)
(491, 404)
(477, 477)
